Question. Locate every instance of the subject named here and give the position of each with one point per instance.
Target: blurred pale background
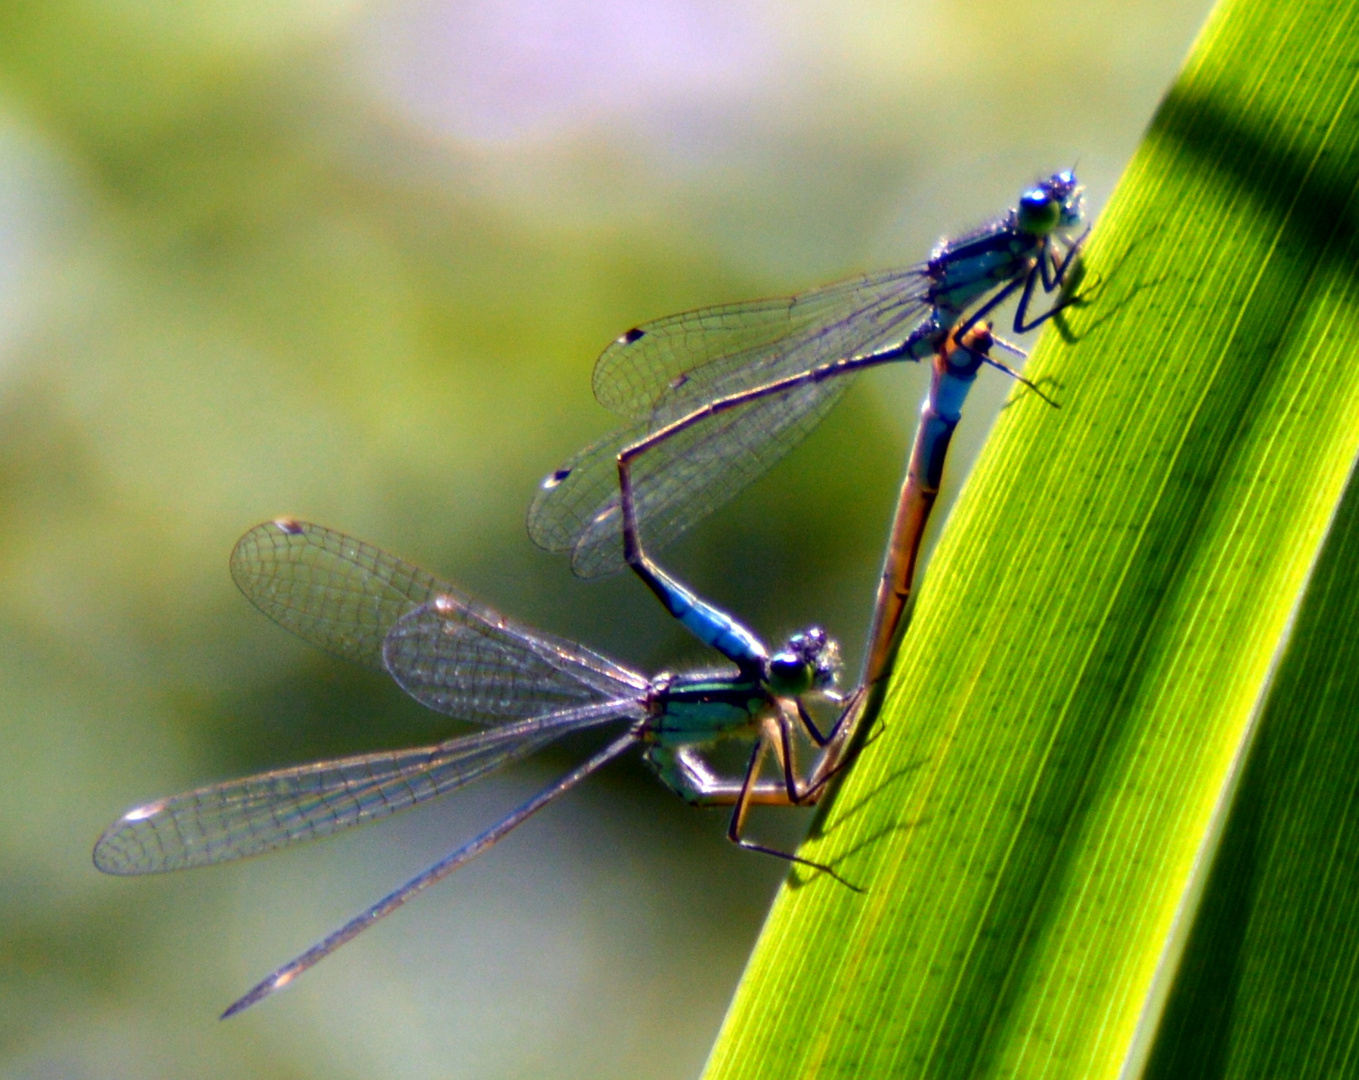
(353, 261)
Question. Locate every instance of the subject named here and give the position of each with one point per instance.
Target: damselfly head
(809, 661)
(1053, 204)
(1071, 197)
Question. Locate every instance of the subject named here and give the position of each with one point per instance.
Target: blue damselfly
(716, 396)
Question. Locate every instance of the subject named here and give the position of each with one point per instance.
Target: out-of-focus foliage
(1115, 782)
(353, 262)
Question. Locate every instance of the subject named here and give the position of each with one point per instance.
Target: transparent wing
(260, 813)
(671, 365)
(338, 593)
(345, 596)
(675, 484)
(458, 657)
(460, 856)
(664, 370)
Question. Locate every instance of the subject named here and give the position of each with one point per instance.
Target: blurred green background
(353, 262)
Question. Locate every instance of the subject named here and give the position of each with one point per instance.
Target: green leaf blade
(1102, 623)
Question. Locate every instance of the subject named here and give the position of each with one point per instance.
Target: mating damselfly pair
(712, 398)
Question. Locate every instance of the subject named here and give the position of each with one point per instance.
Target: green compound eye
(1039, 212)
(789, 675)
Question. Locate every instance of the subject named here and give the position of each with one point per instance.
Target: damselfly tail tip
(234, 1008)
(259, 992)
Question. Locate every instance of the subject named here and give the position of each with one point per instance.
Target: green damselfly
(525, 687)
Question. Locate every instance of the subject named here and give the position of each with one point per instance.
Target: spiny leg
(736, 823)
(1050, 284)
(996, 300)
(738, 818)
(1060, 266)
(1038, 273)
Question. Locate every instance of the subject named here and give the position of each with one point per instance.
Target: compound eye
(1038, 212)
(789, 675)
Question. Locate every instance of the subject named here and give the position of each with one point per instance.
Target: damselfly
(957, 359)
(460, 657)
(718, 395)
(955, 368)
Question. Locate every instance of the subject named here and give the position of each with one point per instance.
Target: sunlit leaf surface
(1115, 608)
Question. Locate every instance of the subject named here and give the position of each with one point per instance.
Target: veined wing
(338, 593)
(260, 813)
(439, 870)
(676, 483)
(459, 657)
(345, 596)
(681, 361)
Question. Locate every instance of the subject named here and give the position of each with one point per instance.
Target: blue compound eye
(1038, 212)
(789, 674)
